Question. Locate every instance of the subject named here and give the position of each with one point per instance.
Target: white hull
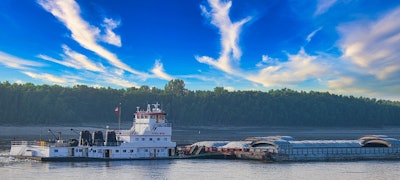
(90, 152)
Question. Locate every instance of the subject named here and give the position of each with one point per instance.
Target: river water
(199, 169)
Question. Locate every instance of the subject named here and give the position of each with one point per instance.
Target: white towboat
(149, 138)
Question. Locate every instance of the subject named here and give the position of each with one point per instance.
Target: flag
(116, 110)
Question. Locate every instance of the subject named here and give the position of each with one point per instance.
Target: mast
(119, 116)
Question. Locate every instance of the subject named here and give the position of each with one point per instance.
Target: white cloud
(68, 12)
(50, 78)
(158, 70)
(75, 60)
(265, 60)
(17, 63)
(360, 86)
(373, 46)
(298, 68)
(229, 88)
(120, 82)
(324, 5)
(311, 35)
(340, 83)
(219, 15)
(110, 37)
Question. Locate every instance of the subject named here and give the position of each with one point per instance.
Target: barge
(287, 149)
(148, 138)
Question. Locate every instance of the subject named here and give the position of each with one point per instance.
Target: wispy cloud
(266, 60)
(219, 15)
(311, 35)
(119, 81)
(159, 71)
(323, 6)
(75, 60)
(373, 46)
(110, 37)
(68, 12)
(340, 83)
(298, 68)
(50, 78)
(17, 63)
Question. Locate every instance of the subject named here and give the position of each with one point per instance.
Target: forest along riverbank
(184, 135)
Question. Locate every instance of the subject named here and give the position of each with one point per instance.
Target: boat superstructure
(148, 138)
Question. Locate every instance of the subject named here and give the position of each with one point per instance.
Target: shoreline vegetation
(34, 105)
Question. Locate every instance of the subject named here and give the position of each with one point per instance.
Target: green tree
(176, 87)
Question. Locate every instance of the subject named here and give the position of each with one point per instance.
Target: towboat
(148, 138)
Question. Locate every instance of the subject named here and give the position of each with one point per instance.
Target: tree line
(29, 104)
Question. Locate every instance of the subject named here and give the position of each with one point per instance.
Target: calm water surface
(202, 169)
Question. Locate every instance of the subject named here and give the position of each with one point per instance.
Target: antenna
(51, 132)
(76, 132)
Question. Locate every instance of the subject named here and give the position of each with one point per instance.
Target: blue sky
(348, 47)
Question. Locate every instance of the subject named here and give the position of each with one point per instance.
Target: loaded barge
(287, 149)
(150, 138)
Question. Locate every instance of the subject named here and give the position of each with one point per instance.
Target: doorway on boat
(85, 152)
(71, 152)
(107, 153)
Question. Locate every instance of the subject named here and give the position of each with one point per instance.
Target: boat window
(124, 150)
(158, 139)
(150, 139)
(146, 150)
(94, 150)
(117, 150)
(55, 150)
(131, 151)
(142, 139)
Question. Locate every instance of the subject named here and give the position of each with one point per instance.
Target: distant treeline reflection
(29, 104)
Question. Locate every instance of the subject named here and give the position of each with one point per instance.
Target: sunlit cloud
(120, 82)
(340, 83)
(159, 71)
(75, 60)
(266, 60)
(68, 12)
(16, 62)
(50, 78)
(323, 6)
(373, 46)
(298, 68)
(359, 86)
(229, 31)
(110, 37)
